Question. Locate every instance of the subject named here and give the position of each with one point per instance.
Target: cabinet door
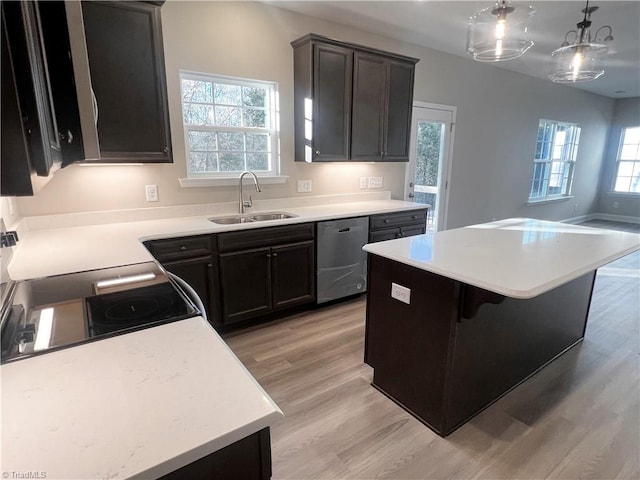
(398, 111)
(382, 235)
(200, 274)
(27, 92)
(126, 61)
(368, 107)
(293, 279)
(412, 230)
(331, 118)
(245, 281)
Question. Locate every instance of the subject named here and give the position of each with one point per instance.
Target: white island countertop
(517, 257)
(137, 405)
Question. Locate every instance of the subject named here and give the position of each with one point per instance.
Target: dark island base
(455, 349)
(246, 459)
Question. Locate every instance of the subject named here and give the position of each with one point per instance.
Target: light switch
(401, 293)
(375, 182)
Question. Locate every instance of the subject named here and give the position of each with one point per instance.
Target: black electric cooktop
(61, 311)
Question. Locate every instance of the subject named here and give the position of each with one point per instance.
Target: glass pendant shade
(584, 59)
(578, 63)
(499, 33)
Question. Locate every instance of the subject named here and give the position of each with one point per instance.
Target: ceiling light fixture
(499, 33)
(583, 60)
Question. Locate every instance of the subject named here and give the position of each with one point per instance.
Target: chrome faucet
(242, 203)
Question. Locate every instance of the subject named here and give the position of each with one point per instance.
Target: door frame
(445, 176)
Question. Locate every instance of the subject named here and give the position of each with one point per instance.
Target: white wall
(498, 113)
(627, 114)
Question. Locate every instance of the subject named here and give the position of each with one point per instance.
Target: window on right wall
(627, 179)
(553, 165)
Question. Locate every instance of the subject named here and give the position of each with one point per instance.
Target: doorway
(429, 168)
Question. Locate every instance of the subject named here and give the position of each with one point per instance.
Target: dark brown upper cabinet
(118, 63)
(30, 142)
(351, 103)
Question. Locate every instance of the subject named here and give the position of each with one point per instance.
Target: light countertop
(53, 251)
(519, 258)
(136, 405)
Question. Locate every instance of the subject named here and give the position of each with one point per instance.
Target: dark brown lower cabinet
(257, 281)
(246, 459)
(245, 278)
(199, 273)
(389, 226)
(456, 348)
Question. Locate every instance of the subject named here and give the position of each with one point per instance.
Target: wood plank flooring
(579, 418)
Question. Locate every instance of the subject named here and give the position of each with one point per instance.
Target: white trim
(446, 175)
(531, 203)
(624, 194)
(580, 219)
(195, 182)
(617, 218)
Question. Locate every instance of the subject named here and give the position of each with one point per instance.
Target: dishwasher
(341, 262)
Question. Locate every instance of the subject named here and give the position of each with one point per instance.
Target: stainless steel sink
(258, 217)
(231, 220)
(271, 216)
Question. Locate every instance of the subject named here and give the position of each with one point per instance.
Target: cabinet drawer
(264, 237)
(178, 248)
(390, 220)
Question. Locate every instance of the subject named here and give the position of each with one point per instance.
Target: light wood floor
(579, 418)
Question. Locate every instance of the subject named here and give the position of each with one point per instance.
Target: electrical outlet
(151, 192)
(401, 293)
(363, 183)
(616, 204)
(375, 182)
(304, 186)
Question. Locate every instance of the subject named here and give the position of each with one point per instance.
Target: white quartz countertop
(52, 251)
(136, 405)
(518, 257)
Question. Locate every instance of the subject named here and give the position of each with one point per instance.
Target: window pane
(632, 135)
(197, 91)
(255, 118)
(257, 161)
(254, 97)
(629, 152)
(635, 185)
(195, 114)
(202, 140)
(230, 141)
(257, 142)
(625, 169)
(622, 184)
(227, 94)
(228, 116)
(231, 162)
(203, 162)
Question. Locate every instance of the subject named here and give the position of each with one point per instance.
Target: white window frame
(635, 167)
(558, 165)
(272, 129)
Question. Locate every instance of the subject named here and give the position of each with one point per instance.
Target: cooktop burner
(130, 308)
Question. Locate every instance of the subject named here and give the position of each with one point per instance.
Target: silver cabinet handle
(317, 152)
(94, 100)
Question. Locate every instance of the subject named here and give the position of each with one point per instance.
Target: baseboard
(603, 216)
(581, 218)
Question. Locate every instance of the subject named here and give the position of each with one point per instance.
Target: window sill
(624, 194)
(531, 203)
(227, 181)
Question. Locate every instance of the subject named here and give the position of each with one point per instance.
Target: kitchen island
(458, 318)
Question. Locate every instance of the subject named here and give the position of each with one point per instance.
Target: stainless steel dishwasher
(341, 262)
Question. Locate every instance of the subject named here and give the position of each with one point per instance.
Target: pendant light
(583, 60)
(499, 33)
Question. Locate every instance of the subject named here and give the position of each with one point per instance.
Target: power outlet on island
(375, 182)
(304, 186)
(401, 293)
(151, 192)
